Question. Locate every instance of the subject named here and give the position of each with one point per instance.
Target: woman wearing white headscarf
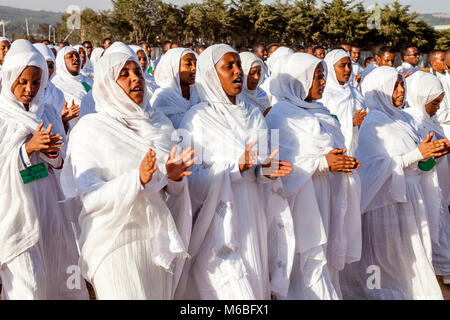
(256, 96)
(95, 56)
(323, 190)
(5, 44)
(398, 198)
(342, 99)
(86, 69)
(38, 246)
(242, 239)
(175, 77)
(144, 61)
(73, 85)
(424, 95)
(132, 245)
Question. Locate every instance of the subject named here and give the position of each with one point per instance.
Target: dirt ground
(444, 287)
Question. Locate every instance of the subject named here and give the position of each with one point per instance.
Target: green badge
(336, 117)
(150, 70)
(427, 165)
(34, 173)
(86, 86)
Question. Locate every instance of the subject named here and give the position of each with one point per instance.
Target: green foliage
(244, 22)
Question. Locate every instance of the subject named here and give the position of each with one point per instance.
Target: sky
(421, 6)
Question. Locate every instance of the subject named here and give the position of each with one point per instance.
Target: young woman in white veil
(324, 190)
(424, 96)
(132, 245)
(253, 69)
(38, 246)
(398, 198)
(175, 77)
(342, 99)
(144, 61)
(242, 239)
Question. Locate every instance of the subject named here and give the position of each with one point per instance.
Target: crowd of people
(212, 172)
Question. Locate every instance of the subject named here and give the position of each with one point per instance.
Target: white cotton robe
(38, 245)
(324, 205)
(133, 238)
(242, 241)
(395, 192)
(168, 98)
(257, 97)
(422, 89)
(342, 100)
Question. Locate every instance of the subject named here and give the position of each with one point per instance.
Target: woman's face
(432, 107)
(51, 68)
(188, 67)
(73, 64)
(343, 69)
(132, 82)
(398, 97)
(27, 85)
(318, 84)
(83, 57)
(143, 60)
(230, 74)
(4, 47)
(253, 77)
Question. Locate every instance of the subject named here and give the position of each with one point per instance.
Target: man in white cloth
(424, 95)
(410, 57)
(5, 44)
(384, 56)
(242, 241)
(132, 245)
(175, 77)
(38, 246)
(396, 194)
(357, 69)
(324, 190)
(439, 69)
(342, 99)
(253, 68)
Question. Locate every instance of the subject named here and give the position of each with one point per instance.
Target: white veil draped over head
(258, 97)
(342, 100)
(149, 79)
(128, 131)
(85, 70)
(168, 98)
(95, 56)
(19, 227)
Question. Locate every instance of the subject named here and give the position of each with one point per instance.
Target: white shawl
(342, 100)
(257, 97)
(233, 126)
(19, 227)
(107, 178)
(168, 98)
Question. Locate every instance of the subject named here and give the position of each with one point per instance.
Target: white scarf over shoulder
(107, 178)
(70, 85)
(342, 100)
(95, 56)
(307, 133)
(168, 98)
(19, 227)
(221, 130)
(257, 97)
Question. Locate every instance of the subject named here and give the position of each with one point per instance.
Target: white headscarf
(422, 89)
(258, 97)
(342, 100)
(19, 227)
(85, 70)
(69, 84)
(95, 56)
(168, 98)
(280, 52)
(149, 79)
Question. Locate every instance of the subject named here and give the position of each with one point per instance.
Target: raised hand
(68, 114)
(435, 148)
(147, 167)
(176, 166)
(248, 158)
(44, 140)
(339, 162)
(358, 118)
(358, 77)
(276, 168)
(408, 73)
